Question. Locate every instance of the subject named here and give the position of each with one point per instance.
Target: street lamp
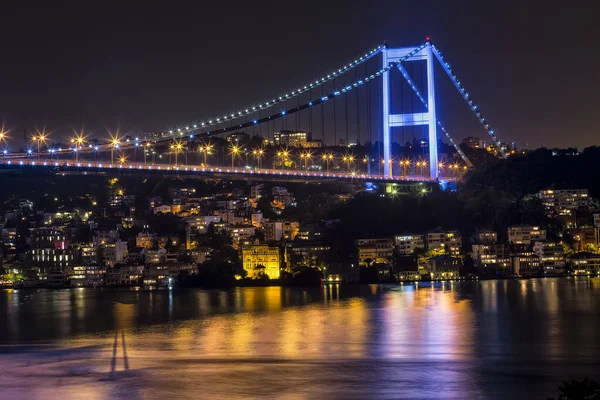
(234, 151)
(78, 142)
(348, 159)
(441, 167)
(306, 156)
(391, 166)
(3, 135)
(421, 165)
(283, 154)
(114, 144)
(258, 153)
(404, 164)
(41, 137)
(145, 149)
(207, 150)
(177, 147)
(327, 157)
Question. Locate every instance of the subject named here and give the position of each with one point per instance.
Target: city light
(306, 156)
(258, 154)
(176, 147)
(114, 142)
(327, 157)
(283, 155)
(234, 151)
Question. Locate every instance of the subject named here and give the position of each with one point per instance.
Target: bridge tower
(410, 119)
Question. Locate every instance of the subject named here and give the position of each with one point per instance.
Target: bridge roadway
(218, 172)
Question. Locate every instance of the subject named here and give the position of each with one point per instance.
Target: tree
(369, 275)
(307, 276)
(580, 390)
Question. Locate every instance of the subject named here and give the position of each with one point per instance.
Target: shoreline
(279, 284)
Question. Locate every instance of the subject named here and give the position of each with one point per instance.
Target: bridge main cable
(470, 103)
(311, 103)
(290, 94)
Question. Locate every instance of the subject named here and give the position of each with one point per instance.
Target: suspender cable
(310, 115)
(357, 96)
(346, 113)
(335, 143)
(323, 121)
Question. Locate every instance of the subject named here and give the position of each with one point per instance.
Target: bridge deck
(214, 171)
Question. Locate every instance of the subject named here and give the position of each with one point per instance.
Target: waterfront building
(444, 267)
(491, 255)
(524, 264)
(375, 251)
(50, 251)
(552, 256)
(585, 263)
(260, 259)
(308, 251)
(114, 252)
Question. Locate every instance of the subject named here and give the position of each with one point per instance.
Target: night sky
(531, 67)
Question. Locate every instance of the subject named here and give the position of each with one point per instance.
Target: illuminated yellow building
(261, 259)
(375, 250)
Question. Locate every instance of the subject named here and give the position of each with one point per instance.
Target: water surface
(495, 339)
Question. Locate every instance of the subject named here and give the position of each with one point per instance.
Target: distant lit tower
(428, 118)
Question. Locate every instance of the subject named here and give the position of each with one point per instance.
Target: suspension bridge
(372, 106)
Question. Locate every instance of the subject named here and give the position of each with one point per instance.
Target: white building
(552, 256)
(526, 234)
(450, 241)
(407, 244)
(114, 253)
(491, 255)
(585, 263)
(273, 230)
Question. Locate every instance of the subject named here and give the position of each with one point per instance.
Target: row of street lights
(206, 149)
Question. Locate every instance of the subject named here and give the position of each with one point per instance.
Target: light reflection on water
(454, 340)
